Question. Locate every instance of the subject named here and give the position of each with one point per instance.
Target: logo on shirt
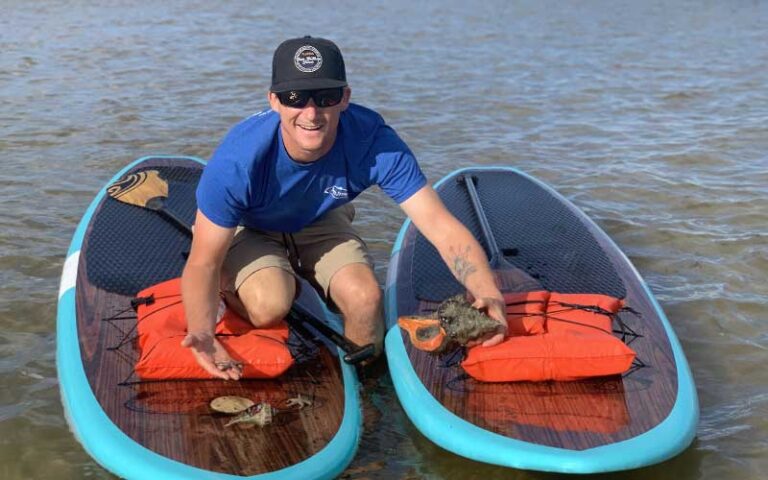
(336, 192)
(308, 59)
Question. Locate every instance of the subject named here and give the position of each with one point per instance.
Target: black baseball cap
(307, 63)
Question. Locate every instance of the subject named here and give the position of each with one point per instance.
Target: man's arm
(200, 294)
(459, 250)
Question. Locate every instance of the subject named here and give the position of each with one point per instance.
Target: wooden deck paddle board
(165, 429)
(605, 424)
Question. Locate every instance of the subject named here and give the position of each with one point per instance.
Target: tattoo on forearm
(462, 267)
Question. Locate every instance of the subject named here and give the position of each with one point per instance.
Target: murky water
(651, 117)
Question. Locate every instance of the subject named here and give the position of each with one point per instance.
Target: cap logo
(308, 59)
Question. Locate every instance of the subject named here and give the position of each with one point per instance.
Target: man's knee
(267, 300)
(266, 312)
(358, 296)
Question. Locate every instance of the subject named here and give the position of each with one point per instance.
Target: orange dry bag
(526, 312)
(577, 344)
(162, 326)
(550, 356)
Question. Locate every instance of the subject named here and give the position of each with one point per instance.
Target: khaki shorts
(315, 253)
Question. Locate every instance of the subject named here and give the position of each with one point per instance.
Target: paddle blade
(426, 333)
(139, 188)
(513, 279)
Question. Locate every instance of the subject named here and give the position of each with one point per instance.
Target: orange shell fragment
(425, 333)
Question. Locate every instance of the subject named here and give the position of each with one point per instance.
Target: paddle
(148, 190)
(354, 354)
(523, 281)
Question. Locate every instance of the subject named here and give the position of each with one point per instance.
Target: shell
(231, 404)
(456, 322)
(261, 414)
(462, 322)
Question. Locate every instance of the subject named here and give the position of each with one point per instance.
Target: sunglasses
(326, 97)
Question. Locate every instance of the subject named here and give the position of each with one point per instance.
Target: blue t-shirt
(251, 180)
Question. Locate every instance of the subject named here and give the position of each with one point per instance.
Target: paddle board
(166, 429)
(645, 416)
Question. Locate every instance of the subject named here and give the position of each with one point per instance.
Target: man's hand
(494, 308)
(212, 356)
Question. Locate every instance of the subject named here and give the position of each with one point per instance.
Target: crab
(300, 401)
(231, 404)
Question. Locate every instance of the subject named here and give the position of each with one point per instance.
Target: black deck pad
(531, 227)
(121, 261)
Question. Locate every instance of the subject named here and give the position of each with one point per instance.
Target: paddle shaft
(353, 353)
(157, 204)
(520, 278)
(497, 258)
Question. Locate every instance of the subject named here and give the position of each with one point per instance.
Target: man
(273, 203)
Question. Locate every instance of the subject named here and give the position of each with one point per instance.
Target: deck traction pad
(534, 229)
(128, 247)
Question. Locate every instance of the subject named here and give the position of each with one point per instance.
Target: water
(650, 116)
